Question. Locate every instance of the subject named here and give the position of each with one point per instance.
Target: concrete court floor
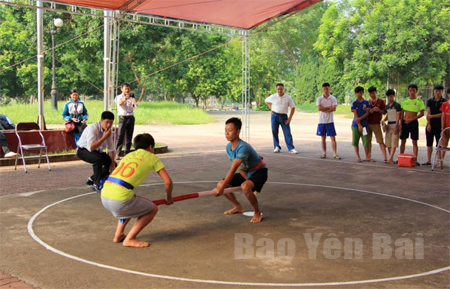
(305, 197)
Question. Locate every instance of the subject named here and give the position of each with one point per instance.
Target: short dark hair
(413, 86)
(438, 87)
(372, 89)
(236, 121)
(359, 89)
(143, 141)
(279, 84)
(124, 84)
(74, 90)
(390, 92)
(326, 84)
(108, 115)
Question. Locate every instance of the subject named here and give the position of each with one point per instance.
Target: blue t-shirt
(361, 109)
(247, 153)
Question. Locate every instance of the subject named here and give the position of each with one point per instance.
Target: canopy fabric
(244, 14)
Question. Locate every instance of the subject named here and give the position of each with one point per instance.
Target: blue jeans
(277, 120)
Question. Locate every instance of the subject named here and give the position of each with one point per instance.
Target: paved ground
(325, 221)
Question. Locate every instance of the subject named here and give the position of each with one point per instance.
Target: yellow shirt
(133, 169)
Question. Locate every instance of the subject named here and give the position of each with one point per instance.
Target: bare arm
(290, 115)
(96, 144)
(222, 185)
(443, 121)
(326, 109)
(112, 156)
(168, 185)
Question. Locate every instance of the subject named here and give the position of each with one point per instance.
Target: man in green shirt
(412, 109)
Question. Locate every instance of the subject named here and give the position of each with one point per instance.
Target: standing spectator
(126, 102)
(377, 109)
(76, 111)
(360, 108)
(279, 104)
(445, 123)
(6, 123)
(412, 110)
(393, 114)
(434, 114)
(326, 104)
(94, 138)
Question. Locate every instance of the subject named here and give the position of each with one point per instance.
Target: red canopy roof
(235, 13)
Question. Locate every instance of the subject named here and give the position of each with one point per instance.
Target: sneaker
(277, 150)
(95, 188)
(293, 151)
(89, 181)
(10, 155)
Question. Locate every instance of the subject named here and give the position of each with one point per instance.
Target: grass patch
(165, 112)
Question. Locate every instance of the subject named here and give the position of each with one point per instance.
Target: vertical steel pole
(53, 93)
(106, 59)
(246, 86)
(40, 64)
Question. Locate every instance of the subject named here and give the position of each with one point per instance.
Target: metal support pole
(40, 64)
(106, 60)
(246, 102)
(53, 93)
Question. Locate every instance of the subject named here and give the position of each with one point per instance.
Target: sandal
(370, 161)
(337, 157)
(323, 156)
(358, 160)
(426, 164)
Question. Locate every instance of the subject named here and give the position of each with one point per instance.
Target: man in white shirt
(326, 104)
(279, 104)
(126, 102)
(90, 145)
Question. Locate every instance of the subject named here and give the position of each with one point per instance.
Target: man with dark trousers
(94, 139)
(126, 102)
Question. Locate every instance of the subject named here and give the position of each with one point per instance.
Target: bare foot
(135, 243)
(235, 210)
(257, 218)
(120, 238)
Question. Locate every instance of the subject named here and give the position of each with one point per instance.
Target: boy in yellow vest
(119, 198)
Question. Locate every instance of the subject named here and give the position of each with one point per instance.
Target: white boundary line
(48, 247)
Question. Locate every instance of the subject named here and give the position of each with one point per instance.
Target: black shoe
(417, 164)
(89, 181)
(95, 188)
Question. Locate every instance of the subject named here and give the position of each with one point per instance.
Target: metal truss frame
(111, 46)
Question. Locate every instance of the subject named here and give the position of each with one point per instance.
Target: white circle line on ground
(218, 282)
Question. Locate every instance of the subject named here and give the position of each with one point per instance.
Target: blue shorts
(326, 129)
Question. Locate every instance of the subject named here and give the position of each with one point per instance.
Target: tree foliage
(345, 43)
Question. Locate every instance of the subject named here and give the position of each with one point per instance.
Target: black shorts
(434, 133)
(258, 178)
(410, 128)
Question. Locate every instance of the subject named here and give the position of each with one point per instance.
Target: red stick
(194, 195)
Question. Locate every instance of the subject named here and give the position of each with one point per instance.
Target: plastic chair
(440, 149)
(33, 141)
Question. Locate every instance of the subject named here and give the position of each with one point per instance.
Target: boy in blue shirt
(252, 171)
(360, 108)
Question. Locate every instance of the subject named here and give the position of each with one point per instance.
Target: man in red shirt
(377, 109)
(445, 121)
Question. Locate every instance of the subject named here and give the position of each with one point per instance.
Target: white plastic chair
(440, 149)
(34, 141)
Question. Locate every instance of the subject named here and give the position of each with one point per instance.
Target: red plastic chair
(33, 141)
